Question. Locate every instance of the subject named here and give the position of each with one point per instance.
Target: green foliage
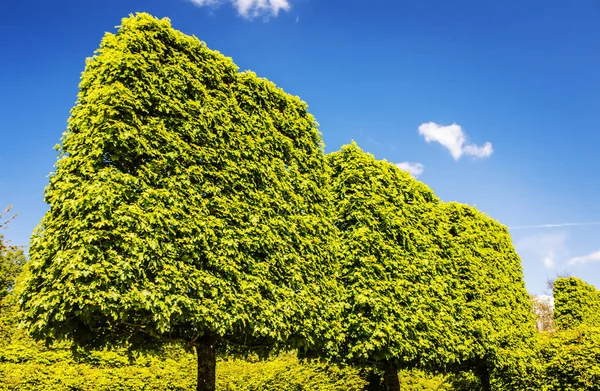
(188, 200)
(12, 259)
(11, 264)
(418, 380)
(575, 303)
(572, 359)
(398, 305)
(286, 373)
(496, 313)
(29, 366)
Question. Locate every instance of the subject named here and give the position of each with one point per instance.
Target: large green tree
(398, 305)
(189, 204)
(575, 303)
(495, 311)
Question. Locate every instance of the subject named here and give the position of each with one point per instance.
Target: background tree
(496, 313)
(12, 258)
(189, 204)
(575, 302)
(398, 308)
(543, 309)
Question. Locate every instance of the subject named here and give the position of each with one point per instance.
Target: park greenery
(198, 237)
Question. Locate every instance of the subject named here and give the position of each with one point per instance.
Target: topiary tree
(398, 308)
(496, 313)
(189, 204)
(575, 303)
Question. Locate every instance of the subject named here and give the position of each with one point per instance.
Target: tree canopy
(575, 303)
(189, 203)
(495, 309)
(399, 309)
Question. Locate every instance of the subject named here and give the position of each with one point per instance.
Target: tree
(189, 204)
(398, 308)
(543, 309)
(496, 313)
(12, 259)
(576, 303)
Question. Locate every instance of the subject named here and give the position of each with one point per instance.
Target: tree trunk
(375, 383)
(207, 364)
(484, 378)
(390, 378)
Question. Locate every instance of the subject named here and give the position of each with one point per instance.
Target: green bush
(29, 366)
(572, 359)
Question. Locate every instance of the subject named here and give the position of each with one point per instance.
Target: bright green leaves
(575, 303)
(426, 284)
(495, 313)
(571, 359)
(188, 199)
(396, 292)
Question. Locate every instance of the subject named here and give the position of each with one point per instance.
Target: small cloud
(549, 260)
(250, 9)
(454, 139)
(414, 169)
(593, 257)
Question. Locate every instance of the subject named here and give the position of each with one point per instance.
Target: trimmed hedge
(29, 366)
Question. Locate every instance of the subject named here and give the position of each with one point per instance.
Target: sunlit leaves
(188, 199)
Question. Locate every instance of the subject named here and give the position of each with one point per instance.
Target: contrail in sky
(555, 225)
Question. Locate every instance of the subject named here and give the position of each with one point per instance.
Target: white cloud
(593, 257)
(250, 8)
(414, 169)
(454, 139)
(549, 260)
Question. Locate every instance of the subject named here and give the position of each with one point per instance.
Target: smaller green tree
(12, 258)
(398, 306)
(575, 302)
(495, 311)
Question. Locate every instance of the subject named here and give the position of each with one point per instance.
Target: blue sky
(496, 103)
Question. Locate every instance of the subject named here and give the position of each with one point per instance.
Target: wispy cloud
(559, 225)
(250, 9)
(593, 257)
(414, 169)
(455, 140)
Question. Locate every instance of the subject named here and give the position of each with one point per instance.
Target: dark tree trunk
(207, 364)
(484, 378)
(375, 383)
(390, 378)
